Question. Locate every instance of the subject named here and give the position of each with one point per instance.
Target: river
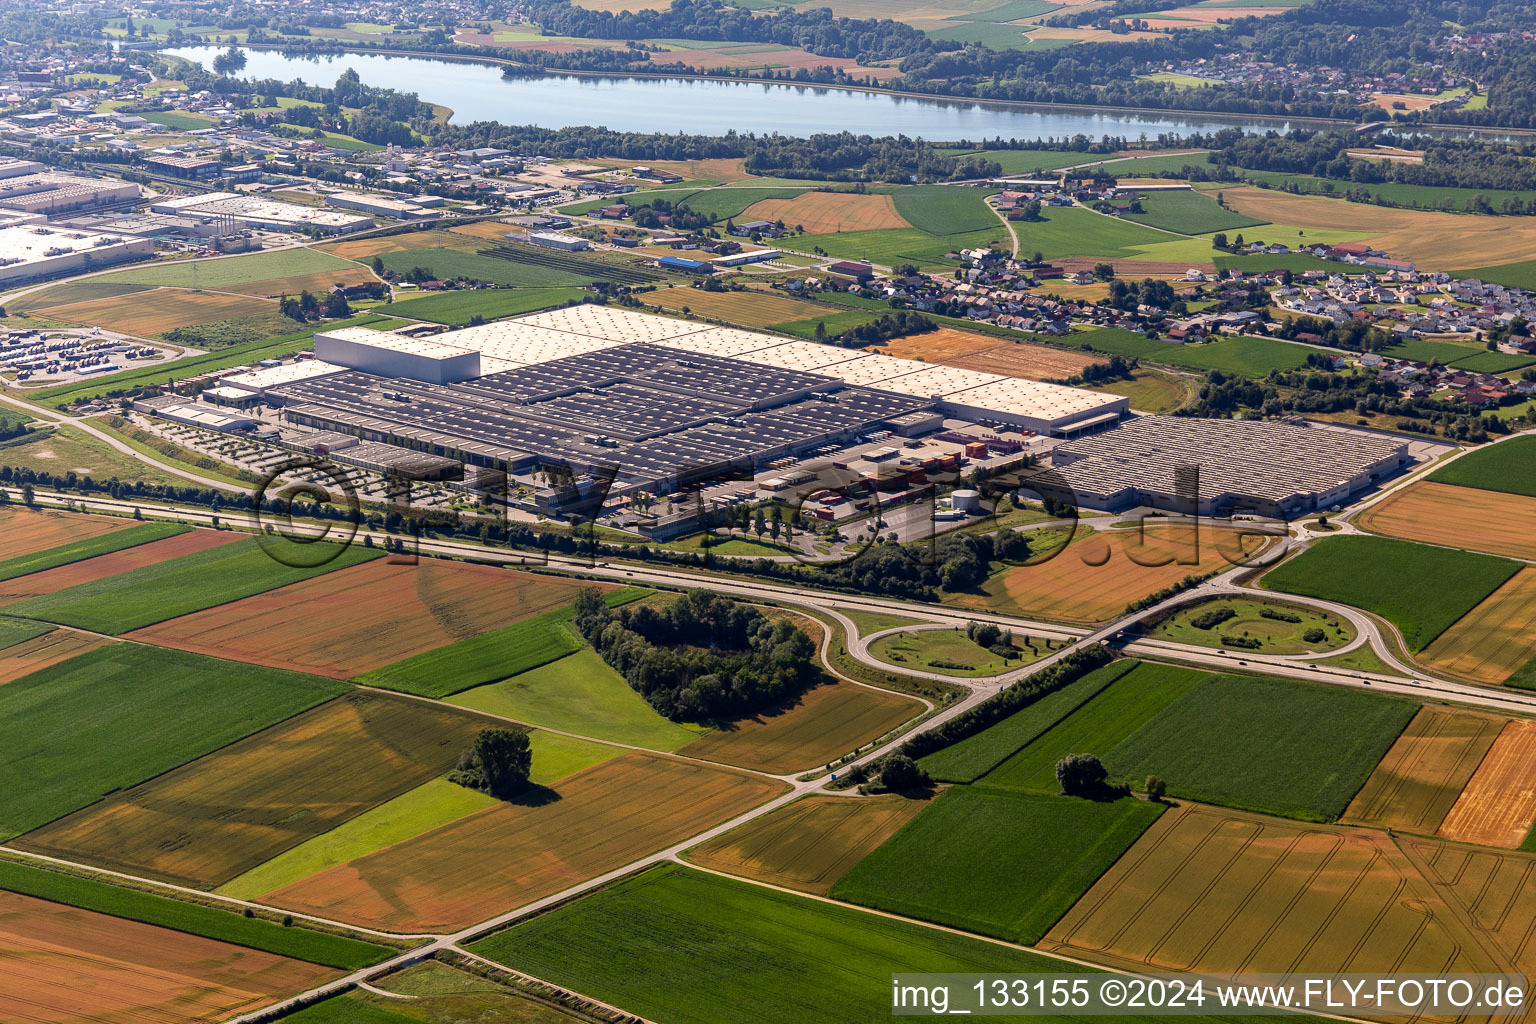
(477, 92)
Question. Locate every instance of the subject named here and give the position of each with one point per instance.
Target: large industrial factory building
(650, 401)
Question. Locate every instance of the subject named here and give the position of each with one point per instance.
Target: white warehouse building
(389, 355)
(33, 251)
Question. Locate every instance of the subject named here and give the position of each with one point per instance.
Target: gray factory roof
(1274, 461)
(650, 411)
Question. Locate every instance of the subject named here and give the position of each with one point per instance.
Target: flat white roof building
(35, 251)
(55, 192)
(520, 343)
(873, 370)
(259, 381)
(257, 212)
(613, 324)
(381, 206)
(1035, 405)
(802, 355)
(936, 381)
(389, 355)
(723, 341)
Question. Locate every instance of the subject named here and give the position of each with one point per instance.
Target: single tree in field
(1080, 775)
(498, 762)
(1156, 787)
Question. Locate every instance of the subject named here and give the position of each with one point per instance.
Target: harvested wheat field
(1499, 805)
(1456, 516)
(827, 723)
(1093, 579)
(149, 313)
(1411, 101)
(1443, 239)
(811, 843)
(987, 354)
(319, 283)
(41, 651)
(1496, 888)
(594, 821)
(367, 248)
(826, 212)
(51, 581)
(1492, 641)
(64, 965)
(1219, 892)
(748, 308)
(1418, 781)
(1196, 15)
(27, 531)
(346, 623)
(222, 815)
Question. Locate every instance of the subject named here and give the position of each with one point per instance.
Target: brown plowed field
(1496, 888)
(27, 532)
(826, 212)
(986, 354)
(41, 651)
(51, 581)
(811, 843)
(1463, 517)
(1499, 804)
(352, 621)
(206, 822)
(1095, 578)
(1220, 892)
(514, 853)
(150, 313)
(63, 966)
(1425, 771)
(827, 723)
(1492, 641)
(1448, 240)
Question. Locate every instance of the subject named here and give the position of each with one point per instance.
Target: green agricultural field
(1012, 10)
(1493, 362)
(1072, 231)
(227, 926)
(60, 752)
(990, 34)
(1001, 864)
(154, 593)
(579, 694)
(1027, 161)
(731, 201)
(232, 271)
(456, 309)
(1188, 213)
(1509, 466)
(1248, 357)
(406, 816)
(447, 264)
(833, 323)
(976, 755)
(1420, 589)
(945, 209)
(482, 659)
(1422, 350)
(65, 554)
(348, 1009)
(1392, 193)
(338, 141)
(1162, 166)
(237, 355)
(1300, 750)
(683, 946)
(1258, 263)
(17, 631)
(892, 246)
(1095, 727)
(1511, 275)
